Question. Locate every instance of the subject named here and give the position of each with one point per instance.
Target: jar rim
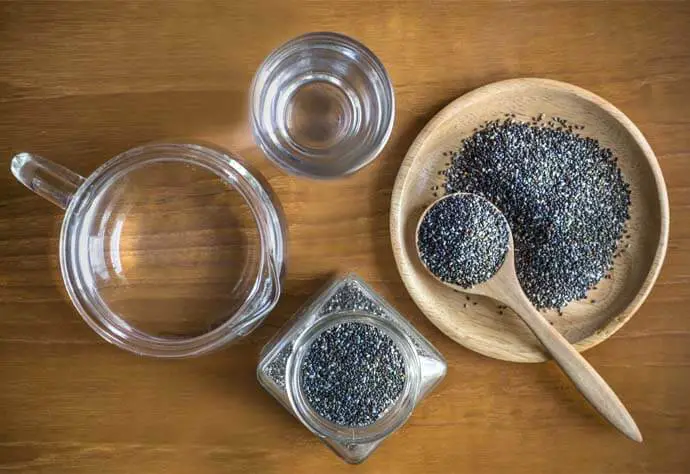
(394, 416)
(111, 326)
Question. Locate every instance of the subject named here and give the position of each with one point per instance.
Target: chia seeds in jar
(350, 368)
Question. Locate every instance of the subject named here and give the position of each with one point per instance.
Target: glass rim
(73, 253)
(393, 417)
(321, 38)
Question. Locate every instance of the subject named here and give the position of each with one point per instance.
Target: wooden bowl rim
(483, 93)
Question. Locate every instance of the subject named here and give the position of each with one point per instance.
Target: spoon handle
(583, 375)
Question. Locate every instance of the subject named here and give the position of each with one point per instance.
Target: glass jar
(348, 300)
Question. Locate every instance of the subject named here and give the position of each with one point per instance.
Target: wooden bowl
(475, 322)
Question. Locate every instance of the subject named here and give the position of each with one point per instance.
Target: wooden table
(81, 81)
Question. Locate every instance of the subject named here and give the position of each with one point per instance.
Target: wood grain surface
(81, 81)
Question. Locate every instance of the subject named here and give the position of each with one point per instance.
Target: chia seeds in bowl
(563, 195)
(614, 297)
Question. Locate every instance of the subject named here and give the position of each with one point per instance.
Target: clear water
(319, 114)
(322, 105)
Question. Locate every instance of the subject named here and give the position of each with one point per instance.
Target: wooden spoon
(503, 286)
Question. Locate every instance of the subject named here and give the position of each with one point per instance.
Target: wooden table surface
(81, 81)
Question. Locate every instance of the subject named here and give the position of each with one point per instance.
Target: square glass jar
(348, 299)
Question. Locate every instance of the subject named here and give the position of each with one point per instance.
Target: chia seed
(350, 298)
(276, 369)
(563, 195)
(352, 373)
(463, 240)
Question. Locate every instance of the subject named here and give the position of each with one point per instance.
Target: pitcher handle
(49, 180)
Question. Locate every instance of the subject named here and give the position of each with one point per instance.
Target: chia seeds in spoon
(463, 239)
(563, 196)
(352, 373)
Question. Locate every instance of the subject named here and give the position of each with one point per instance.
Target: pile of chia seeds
(349, 297)
(463, 239)
(352, 373)
(563, 195)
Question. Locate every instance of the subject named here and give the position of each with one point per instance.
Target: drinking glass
(322, 106)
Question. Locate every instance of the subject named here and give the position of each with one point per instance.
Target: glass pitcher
(166, 250)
